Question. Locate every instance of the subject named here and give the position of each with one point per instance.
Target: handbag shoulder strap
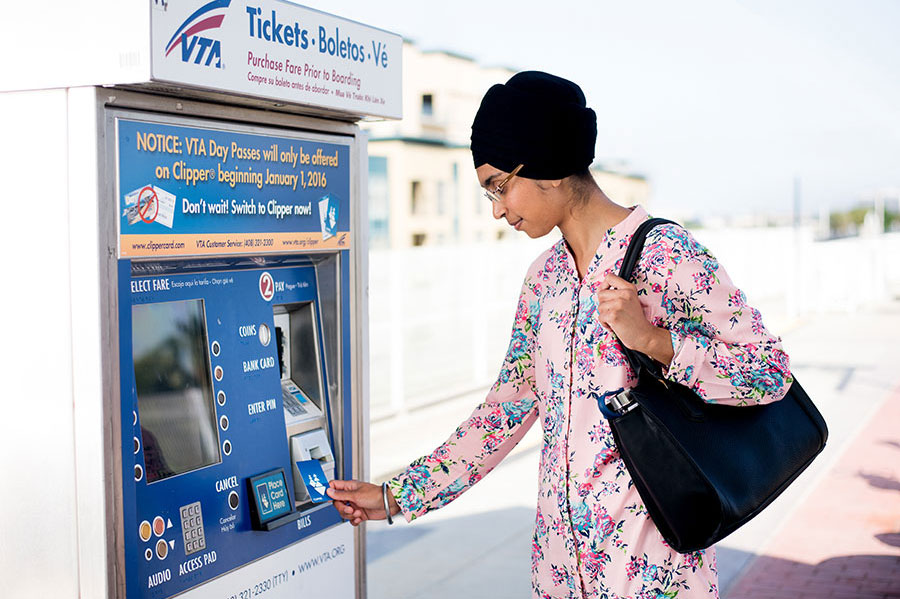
(632, 255)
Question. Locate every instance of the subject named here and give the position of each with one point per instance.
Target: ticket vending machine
(235, 366)
(201, 357)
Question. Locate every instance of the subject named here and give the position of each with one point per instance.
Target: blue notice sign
(188, 190)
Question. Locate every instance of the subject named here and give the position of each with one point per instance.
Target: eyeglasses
(494, 194)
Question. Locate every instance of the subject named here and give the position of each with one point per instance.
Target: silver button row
(197, 545)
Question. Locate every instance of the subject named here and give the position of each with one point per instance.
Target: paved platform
(835, 532)
(844, 540)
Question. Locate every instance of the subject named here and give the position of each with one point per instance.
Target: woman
(533, 141)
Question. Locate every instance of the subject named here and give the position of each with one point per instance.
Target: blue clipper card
(315, 480)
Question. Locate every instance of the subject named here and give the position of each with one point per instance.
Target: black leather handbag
(702, 469)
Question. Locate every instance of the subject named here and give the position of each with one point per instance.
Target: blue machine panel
(202, 413)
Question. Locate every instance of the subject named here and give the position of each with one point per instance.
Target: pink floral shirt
(592, 535)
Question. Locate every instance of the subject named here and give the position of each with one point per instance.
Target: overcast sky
(720, 103)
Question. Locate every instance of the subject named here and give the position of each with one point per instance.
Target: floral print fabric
(592, 535)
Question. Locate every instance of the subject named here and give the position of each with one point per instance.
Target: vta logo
(197, 48)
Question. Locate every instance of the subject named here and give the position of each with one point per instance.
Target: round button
(159, 526)
(234, 500)
(148, 554)
(223, 422)
(138, 472)
(226, 447)
(133, 417)
(137, 445)
(162, 549)
(265, 334)
(216, 348)
(219, 373)
(145, 531)
(220, 397)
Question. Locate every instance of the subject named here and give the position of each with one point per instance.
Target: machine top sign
(280, 51)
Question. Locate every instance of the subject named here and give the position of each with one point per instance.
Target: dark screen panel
(174, 388)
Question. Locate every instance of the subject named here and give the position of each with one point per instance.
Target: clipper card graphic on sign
(150, 204)
(328, 215)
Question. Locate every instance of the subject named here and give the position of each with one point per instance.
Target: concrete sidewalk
(844, 541)
(843, 508)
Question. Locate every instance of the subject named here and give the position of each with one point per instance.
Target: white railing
(440, 317)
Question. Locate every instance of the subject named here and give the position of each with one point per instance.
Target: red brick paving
(844, 541)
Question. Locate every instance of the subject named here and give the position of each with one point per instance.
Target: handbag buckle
(622, 402)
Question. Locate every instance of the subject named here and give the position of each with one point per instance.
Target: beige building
(422, 185)
(621, 186)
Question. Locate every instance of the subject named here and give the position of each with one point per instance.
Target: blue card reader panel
(270, 497)
(203, 413)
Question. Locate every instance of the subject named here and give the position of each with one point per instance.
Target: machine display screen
(174, 388)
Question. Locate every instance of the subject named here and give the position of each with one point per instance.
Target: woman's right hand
(358, 501)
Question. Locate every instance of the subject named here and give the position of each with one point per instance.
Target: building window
(379, 202)
(418, 239)
(415, 194)
(427, 105)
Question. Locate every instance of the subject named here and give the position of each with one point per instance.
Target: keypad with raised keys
(192, 528)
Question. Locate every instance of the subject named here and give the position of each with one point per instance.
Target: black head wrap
(536, 119)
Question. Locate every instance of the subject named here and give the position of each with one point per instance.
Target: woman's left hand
(619, 310)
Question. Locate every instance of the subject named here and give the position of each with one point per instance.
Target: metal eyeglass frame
(494, 194)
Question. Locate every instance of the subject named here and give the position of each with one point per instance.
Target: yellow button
(145, 531)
